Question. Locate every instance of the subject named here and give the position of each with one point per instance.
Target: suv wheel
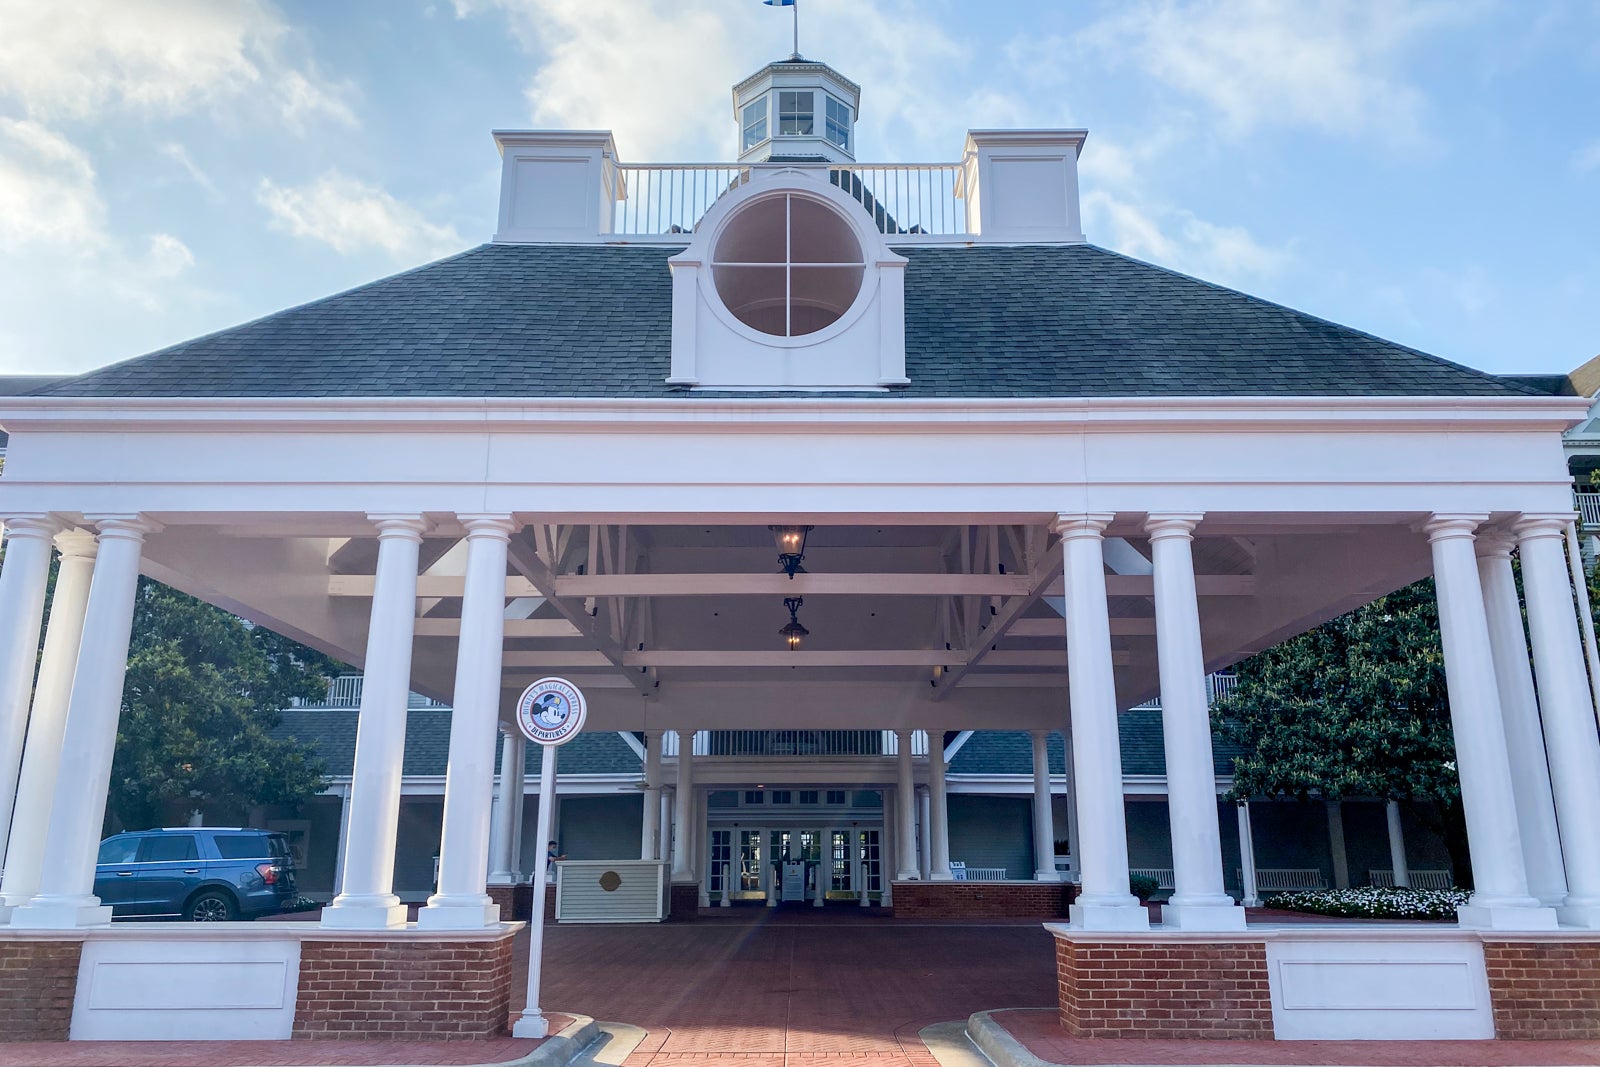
(211, 906)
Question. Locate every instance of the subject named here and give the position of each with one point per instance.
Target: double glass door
(758, 864)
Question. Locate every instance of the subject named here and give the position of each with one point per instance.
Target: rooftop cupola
(796, 110)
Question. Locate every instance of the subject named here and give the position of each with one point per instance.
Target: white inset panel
(1378, 990)
(158, 989)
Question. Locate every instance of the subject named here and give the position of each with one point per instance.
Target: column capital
(1071, 525)
(489, 525)
(38, 525)
(1495, 542)
(126, 527)
(1163, 524)
(1443, 526)
(1532, 526)
(403, 527)
(73, 542)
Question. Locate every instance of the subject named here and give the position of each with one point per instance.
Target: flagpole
(796, 6)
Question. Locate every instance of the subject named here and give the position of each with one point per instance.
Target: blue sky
(1425, 170)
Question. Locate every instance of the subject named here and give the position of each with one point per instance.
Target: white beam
(536, 628)
(735, 658)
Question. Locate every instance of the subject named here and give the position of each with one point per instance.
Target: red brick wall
(38, 980)
(982, 900)
(1177, 989)
(1544, 989)
(446, 990)
(685, 901)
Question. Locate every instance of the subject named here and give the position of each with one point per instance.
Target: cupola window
(795, 114)
(787, 265)
(754, 120)
(837, 125)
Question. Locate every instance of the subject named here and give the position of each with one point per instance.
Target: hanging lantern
(791, 546)
(793, 631)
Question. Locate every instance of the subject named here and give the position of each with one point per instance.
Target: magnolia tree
(1353, 708)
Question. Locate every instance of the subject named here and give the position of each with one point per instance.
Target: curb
(561, 1048)
(996, 1042)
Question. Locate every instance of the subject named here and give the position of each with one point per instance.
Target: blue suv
(203, 874)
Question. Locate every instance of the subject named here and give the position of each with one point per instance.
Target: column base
(1203, 916)
(1052, 875)
(471, 915)
(1583, 916)
(503, 878)
(364, 916)
(529, 1024)
(908, 876)
(61, 915)
(1125, 917)
(1503, 917)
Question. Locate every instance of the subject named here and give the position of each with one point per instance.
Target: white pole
(1247, 858)
(1580, 587)
(1397, 846)
(532, 1023)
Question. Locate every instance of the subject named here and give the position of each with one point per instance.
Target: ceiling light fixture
(793, 631)
(791, 546)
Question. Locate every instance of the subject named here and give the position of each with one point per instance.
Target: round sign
(551, 711)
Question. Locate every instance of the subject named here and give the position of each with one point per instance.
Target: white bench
(962, 873)
(1419, 879)
(1286, 879)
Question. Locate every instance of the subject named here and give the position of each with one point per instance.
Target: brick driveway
(798, 988)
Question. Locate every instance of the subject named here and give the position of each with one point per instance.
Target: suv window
(168, 848)
(118, 850)
(244, 846)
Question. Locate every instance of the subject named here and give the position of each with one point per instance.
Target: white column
(1337, 853)
(683, 811)
(819, 892)
(1044, 829)
(1247, 858)
(22, 589)
(886, 849)
(516, 794)
(344, 832)
(1073, 849)
(1397, 846)
(1105, 903)
(367, 901)
(939, 804)
(905, 809)
(1519, 710)
(461, 903)
(1568, 710)
(770, 884)
(650, 828)
(1199, 900)
(41, 757)
(66, 878)
(701, 834)
(664, 834)
(1500, 900)
(924, 833)
(500, 824)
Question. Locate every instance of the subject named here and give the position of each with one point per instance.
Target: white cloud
(1325, 64)
(1587, 158)
(351, 216)
(1178, 239)
(74, 59)
(47, 191)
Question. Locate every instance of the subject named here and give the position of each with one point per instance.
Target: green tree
(1354, 708)
(202, 695)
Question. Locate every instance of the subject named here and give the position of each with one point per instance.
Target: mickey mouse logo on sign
(551, 711)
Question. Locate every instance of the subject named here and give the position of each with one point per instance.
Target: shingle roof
(332, 732)
(595, 321)
(1011, 751)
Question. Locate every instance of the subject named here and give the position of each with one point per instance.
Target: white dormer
(788, 284)
(796, 109)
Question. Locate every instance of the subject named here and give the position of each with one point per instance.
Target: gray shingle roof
(332, 732)
(1011, 751)
(594, 321)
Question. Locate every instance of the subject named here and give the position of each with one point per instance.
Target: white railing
(1162, 876)
(345, 692)
(809, 743)
(963, 873)
(1588, 505)
(1218, 686)
(1286, 879)
(905, 200)
(1419, 879)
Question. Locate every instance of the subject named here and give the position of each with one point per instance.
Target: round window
(787, 266)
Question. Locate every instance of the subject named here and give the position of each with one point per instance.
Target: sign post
(550, 713)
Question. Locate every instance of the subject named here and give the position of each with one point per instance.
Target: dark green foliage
(203, 691)
(1142, 887)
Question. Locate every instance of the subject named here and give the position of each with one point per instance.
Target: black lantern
(793, 631)
(791, 546)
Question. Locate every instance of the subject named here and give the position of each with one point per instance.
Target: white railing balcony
(908, 201)
(810, 744)
(1588, 507)
(1218, 686)
(345, 692)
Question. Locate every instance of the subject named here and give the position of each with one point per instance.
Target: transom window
(754, 120)
(795, 114)
(787, 266)
(836, 128)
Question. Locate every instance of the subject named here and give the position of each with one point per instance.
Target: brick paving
(1041, 1033)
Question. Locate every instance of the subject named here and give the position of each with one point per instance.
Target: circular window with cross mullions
(787, 265)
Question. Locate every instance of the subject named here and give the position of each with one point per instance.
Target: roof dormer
(796, 110)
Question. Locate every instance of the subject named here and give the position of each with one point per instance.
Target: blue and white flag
(778, 3)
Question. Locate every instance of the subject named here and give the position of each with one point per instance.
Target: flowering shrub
(1374, 903)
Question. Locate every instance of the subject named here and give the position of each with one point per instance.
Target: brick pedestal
(440, 988)
(1546, 990)
(1179, 989)
(982, 900)
(38, 980)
